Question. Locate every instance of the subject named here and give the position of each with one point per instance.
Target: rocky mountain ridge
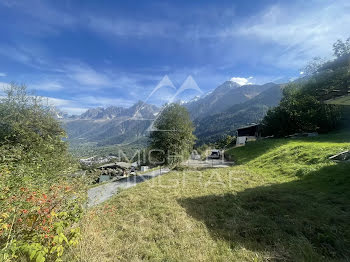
(223, 97)
(215, 114)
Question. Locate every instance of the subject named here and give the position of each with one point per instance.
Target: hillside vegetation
(284, 201)
(40, 204)
(214, 127)
(303, 107)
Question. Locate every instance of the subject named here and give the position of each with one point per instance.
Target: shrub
(37, 223)
(39, 203)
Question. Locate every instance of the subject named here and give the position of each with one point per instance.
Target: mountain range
(215, 115)
(139, 110)
(223, 97)
(215, 126)
(111, 125)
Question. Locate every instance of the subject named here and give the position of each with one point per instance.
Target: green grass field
(284, 201)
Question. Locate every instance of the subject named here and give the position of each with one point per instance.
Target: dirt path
(102, 193)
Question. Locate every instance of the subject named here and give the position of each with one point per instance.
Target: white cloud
(86, 75)
(4, 85)
(15, 54)
(47, 86)
(57, 101)
(71, 107)
(78, 105)
(96, 101)
(73, 110)
(241, 80)
(302, 32)
(127, 27)
(44, 18)
(34, 56)
(2, 74)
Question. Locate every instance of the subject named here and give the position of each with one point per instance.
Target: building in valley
(247, 133)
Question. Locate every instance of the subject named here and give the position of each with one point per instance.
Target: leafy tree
(203, 149)
(226, 141)
(313, 66)
(27, 124)
(341, 48)
(173, 139)
(318, 64)
(300, 111)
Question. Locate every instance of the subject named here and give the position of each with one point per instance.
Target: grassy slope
(285, 201)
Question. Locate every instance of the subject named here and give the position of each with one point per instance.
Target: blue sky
(88, 53)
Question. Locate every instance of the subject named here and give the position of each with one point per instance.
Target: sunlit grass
(285, 201)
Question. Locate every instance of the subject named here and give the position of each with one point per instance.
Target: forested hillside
(214, 127)
(308, 106)
(224, 97)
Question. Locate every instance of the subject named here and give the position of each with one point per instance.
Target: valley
(105, 131)
(174, 131)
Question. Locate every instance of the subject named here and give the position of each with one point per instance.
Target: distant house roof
(252, 130)
(122, 165)
(250, 126)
